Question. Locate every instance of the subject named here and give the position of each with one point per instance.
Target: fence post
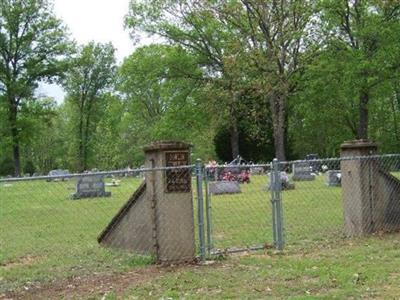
(276, 199)
(208, 214)
(200, 208)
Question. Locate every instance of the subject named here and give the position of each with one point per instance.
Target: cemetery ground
(57, 255)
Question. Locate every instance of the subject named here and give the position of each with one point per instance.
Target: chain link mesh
(240, 207)
(342, 197)
(47, 227)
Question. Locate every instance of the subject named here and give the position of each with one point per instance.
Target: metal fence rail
(49, 226)
(238, 208)
(330, 194)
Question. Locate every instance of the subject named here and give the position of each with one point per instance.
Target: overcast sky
(93, 20)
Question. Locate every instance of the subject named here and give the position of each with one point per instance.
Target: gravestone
(224, 187)
(90, 186)
(257, 170)
(333, 178)
(285, 182)
(302, 171)
(315, 164)
(58, 172)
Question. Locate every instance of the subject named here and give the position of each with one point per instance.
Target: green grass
(312, 212)
(45, 236)
(366, 268)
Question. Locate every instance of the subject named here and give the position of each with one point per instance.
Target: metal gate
(238, 208)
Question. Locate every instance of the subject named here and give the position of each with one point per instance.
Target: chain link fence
(300, 204)
(238, 207)
(52, 225)
(49, 226)
(342, 197)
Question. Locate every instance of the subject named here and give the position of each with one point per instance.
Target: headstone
(224, 187)
(315, 164)
(58, 172)
(257, 170)
(302, 171)
(286, 184)
(90, 186)
(212, 170)
(333, 178)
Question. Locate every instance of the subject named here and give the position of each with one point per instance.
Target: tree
(108, 141)
(32, 45)
(195, 26)
(165, 99)
(363, 35)
(42, 119)
(276, 32)
(90, 76)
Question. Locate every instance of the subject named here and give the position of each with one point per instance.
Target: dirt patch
(22, 261)
(97, 285)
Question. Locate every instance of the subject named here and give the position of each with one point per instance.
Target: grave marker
(90, 186)
(302, 171)
(333, 178)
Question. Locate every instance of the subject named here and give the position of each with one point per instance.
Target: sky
(93, 20)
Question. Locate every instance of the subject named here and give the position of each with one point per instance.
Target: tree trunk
(15, 137)
(86, 139)
(278, 109)
(16, 154)
(234, 137)
(81, 165)
(395, 101)
(234, 128)
(363, 114)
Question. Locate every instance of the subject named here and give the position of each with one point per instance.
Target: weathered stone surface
(302, 171)
(390, 194)
(131, 228)
(333, 178)
(224, 187)
(90, 186)
(158, 219)
(285, 182)
(58, 172)
(371, 195)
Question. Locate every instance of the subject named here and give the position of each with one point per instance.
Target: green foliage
(359, 56)
(32, 45)
(108, 138)
(260, 79)
(164, 101)
(6, 166)
(90, 76)
(29, 167)
(252, 148)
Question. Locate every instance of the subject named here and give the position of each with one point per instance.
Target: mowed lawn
(364, 268)
(45, 236)
(312, 212)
